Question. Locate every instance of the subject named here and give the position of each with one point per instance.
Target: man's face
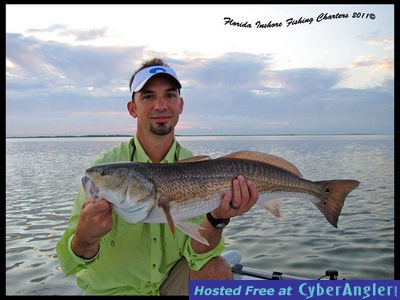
(157, 106)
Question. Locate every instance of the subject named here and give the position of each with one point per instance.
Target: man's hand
(238, 201)
(94, 222)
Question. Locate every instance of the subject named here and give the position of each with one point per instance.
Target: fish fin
(164, 204)
(332, 202)
(195, 159)
(273, 206)
(270, 159)
(193, 230)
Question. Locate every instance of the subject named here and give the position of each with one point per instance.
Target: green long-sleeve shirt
(134, 259)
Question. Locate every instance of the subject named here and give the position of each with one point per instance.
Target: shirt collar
(141, 155)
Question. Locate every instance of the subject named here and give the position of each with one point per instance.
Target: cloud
(388, 44)
(79, 35)
(54, 63)
(291, 101)
(384, 64)
(53, 87)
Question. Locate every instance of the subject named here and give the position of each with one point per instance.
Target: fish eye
(103, 172)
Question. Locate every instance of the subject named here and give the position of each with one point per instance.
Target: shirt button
(154, 266)
(155, 239)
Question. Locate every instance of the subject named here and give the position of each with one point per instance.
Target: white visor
(145, 74)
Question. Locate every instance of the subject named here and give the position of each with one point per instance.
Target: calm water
(43, 175)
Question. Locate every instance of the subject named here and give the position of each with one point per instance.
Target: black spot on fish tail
(331, 202)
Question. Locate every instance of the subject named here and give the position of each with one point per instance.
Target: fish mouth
(89, 186)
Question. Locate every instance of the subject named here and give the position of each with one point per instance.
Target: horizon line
(178, 135)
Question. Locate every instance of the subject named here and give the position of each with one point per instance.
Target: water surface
(43, 175)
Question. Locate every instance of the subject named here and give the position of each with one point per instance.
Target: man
(112, 256)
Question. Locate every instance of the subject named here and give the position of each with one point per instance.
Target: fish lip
(89, 186)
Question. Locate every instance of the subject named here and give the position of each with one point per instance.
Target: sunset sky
(299, 69)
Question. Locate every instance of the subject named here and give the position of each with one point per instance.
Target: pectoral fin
(193, 230)
(164, 204)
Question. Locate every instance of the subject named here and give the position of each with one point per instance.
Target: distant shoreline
(192, 135)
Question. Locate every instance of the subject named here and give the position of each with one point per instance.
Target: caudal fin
(331, 203)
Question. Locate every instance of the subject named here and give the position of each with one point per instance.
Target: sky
(245, 69)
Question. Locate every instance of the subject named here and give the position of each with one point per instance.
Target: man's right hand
(94, 222)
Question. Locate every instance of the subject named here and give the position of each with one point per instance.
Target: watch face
(223, 224)
(217, 223)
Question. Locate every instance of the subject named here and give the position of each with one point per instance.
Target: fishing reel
(332, 274)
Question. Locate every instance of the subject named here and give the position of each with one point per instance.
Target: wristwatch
(217, 223)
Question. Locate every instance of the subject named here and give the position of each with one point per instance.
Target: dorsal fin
(270, 159)
(195, 159)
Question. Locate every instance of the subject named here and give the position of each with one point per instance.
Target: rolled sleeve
(69, 261)
(197, 260)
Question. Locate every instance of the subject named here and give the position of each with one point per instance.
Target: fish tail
(331, 202)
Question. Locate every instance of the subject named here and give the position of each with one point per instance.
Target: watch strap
(217, 223)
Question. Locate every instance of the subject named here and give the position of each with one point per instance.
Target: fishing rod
(242, 270)
(233, 257)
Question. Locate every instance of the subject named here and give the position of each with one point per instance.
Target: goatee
(161, 129)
